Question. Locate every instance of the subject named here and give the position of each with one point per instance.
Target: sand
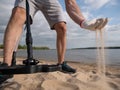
(86, 78)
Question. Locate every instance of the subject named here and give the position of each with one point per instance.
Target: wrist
(81, 22)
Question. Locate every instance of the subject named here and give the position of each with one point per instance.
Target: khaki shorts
(51, 9)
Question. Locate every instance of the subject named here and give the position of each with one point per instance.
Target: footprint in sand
(86, 77)
(58, 85)
(114, 86)
(11, 86)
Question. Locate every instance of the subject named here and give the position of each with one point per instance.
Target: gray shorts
(50, 8)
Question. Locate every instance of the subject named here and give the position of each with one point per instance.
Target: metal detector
(29, 65)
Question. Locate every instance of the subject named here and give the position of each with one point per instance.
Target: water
(79, 55)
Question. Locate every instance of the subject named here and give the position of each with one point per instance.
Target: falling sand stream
(100, 52)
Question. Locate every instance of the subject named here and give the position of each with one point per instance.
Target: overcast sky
(76, 37)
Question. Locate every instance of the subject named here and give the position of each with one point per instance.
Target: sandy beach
(86, 78)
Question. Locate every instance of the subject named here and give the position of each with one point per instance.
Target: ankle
(6, 63)
(61, 62)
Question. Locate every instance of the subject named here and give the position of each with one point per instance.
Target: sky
(76, 36)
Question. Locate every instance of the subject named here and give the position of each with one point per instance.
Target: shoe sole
(67, 72)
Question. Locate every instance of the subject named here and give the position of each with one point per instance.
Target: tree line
(25, 47)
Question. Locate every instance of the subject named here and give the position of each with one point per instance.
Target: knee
(18, 15)
(61, 29)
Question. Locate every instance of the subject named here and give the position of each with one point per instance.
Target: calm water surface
(81, 55)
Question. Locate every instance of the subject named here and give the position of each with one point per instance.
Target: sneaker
(4, 79)
(95, 24)
(67, 68)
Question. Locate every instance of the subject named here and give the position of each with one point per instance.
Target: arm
(74, 11)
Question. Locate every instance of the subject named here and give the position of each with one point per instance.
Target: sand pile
(86, 78)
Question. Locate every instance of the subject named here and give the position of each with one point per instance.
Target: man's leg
(61, 41)
(13, 33)
(61, 47)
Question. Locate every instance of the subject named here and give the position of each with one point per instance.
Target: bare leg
(61, 41)
(13, 33)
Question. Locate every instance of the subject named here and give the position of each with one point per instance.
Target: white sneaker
(95, 24)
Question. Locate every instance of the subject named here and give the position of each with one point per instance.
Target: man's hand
(95, 24)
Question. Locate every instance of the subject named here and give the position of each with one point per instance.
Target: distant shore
(25, 47)
(48, 48)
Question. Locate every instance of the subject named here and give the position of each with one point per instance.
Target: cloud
(114, 28)
(112, 35)
(5, 8)
(87, 14)
(96, 4)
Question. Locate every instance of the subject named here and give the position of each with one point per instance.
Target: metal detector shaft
(29, 40)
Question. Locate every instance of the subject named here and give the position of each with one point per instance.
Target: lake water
(81, 55)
